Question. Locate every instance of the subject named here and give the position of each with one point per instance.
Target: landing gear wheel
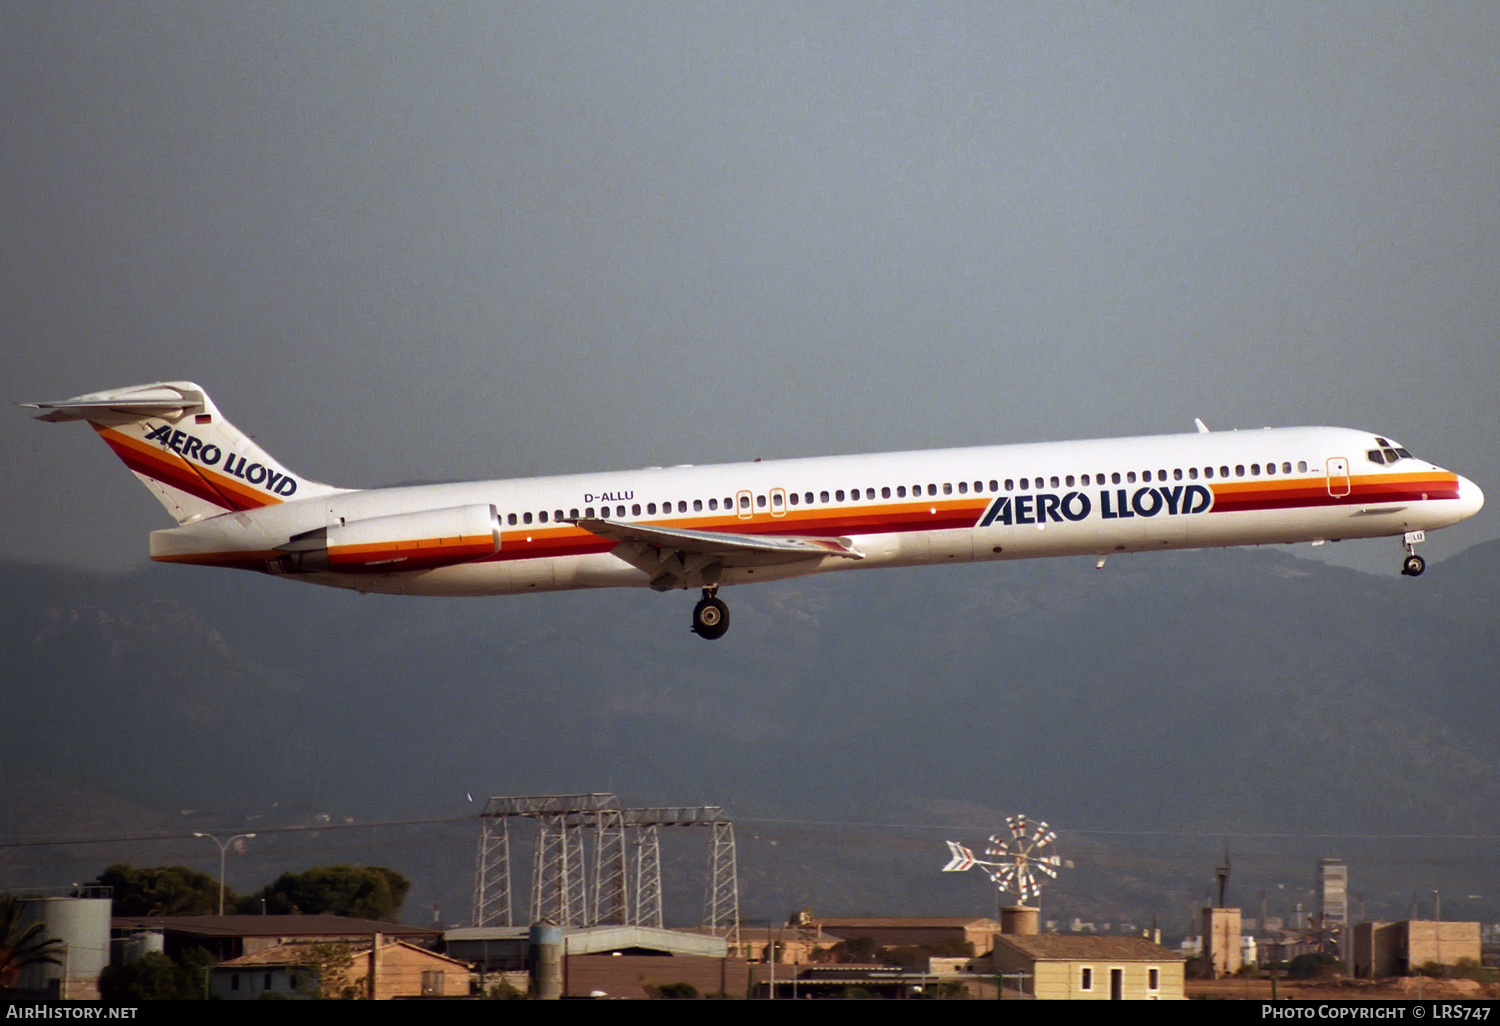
(1413, 565)
(710, 618)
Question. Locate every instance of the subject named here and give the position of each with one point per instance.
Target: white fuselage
(895, 509)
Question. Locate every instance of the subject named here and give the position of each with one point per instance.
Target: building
(1400, 949)
(227, 937)
(901, 931)
(606, 961)
(1077, 967)
(1221, 941)
(1333, 904)
(376, 968)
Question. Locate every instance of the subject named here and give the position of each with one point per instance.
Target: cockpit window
(1388, 453)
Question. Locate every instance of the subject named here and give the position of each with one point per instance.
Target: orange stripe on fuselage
(1364, 490)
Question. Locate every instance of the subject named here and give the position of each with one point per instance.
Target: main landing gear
(710, 616)
(1413, 564)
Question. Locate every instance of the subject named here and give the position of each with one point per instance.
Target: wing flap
(676, 557)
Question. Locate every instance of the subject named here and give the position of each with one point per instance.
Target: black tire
(1413, 566)
(710, 618)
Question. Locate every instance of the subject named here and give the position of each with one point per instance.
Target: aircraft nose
(1470, 498)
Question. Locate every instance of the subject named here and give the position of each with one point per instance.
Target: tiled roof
(1083, 946)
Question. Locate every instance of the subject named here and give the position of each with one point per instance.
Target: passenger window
(1301, 466)
(1223, 471)
(807, 498)
(1025, 484)
(620, 511)
(588, 511)
(760, 502)
(1009, 484)
(651, 508)
(1130, 477)
(839, 495)
(869, 493)
(994, 486)
(901, 491)
(526, 518)
(885, 493)
(682, 505)
(511, 519)
(1161, 475)
(1085, 480)
(1286, 468)
(1055, 482)
(1115, 477)
(963, 488)
(573, 513)
(1208, 471)
(697, 505)
(792, 498)
(1176, 473)
(823, 498)
(776, 499)
(635, 510)
(947, 488)
(542, 516)
(713, 503)
(1192, 473)
(854, 495)
(1068, 480)
(1239, 470)
(932, 489)
(1270, 468)
(1255, 470)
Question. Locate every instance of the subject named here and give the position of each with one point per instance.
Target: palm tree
(21, 946)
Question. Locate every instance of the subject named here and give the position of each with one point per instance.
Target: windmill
(1012, 865)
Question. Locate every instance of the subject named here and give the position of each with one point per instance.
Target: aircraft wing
(671, 556)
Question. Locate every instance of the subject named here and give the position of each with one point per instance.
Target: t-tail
(173, 438)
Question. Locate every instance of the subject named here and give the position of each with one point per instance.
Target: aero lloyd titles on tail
(708, 527)
(195, 450)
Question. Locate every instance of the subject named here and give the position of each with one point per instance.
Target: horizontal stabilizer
(158, 399)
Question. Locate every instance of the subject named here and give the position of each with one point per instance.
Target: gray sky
(442, 242)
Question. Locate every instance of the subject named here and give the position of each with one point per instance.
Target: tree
(23, 945)
(361, 892)
(331, 967)
(155, 977)
(162, 891)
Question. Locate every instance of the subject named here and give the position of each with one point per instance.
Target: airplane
(708, 527)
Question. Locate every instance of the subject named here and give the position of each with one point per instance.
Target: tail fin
(172, 437)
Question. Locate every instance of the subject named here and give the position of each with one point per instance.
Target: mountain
(846, 722)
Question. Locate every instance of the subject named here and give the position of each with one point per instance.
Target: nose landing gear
(710, 616)
(1413, 564)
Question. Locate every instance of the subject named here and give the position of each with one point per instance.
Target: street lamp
(223, 847)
